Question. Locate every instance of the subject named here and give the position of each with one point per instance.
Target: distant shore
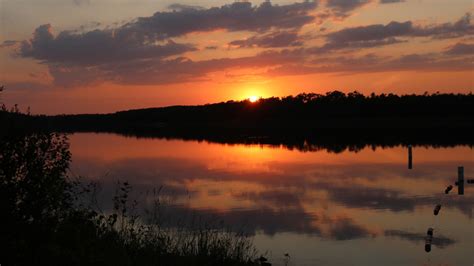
(336, 117)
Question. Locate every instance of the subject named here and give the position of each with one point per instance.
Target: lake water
(322, 208)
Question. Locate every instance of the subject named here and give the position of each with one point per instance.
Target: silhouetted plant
(2, 105)
(35, 195)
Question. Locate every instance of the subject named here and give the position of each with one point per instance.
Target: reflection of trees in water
(334, 142)
(440, 241)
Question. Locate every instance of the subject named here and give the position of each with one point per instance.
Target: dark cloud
(8, 43)
(461, 49)
(267, 220)
(438, 240)
(362, 197)
(71, 76)
(371, 32)
(249, 221)
(271, 221)
(177, 70)
(145, 31)
(187, 70)
(372, 63)
(346, 229)
(343, 8)
(139, 52)
(271, 197)
(331, 46)
(238, 16)
(391, 1)
(460, 28)
(180, 7)
(81, 2)
(94, 47)
(377, 32)
(380, 35)
(93, 25)
(377, 35)
(274, 39)
(27, 85)
(422, 62)
(356, 196)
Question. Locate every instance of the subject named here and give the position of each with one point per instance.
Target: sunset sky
(89, 56)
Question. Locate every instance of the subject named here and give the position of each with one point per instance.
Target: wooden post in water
(460, 182)
(410, 157)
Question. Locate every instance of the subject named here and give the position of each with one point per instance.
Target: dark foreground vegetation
(335, 121)
(48, 219)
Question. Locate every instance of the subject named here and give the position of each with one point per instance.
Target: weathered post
(460, 182)
(410, 157)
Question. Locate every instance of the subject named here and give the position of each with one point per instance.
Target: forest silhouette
(335, 121)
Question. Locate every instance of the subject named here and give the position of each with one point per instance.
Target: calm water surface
(322, 208)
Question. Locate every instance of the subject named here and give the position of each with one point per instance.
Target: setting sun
(253, 98)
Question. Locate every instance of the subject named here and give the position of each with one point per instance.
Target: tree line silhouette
(309, 110)
(308, 121)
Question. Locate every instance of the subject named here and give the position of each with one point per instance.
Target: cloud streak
(439, 241)
(342, 8)
(391, 1)
(271, 40)
(371, 63)
(461, 49)
(379, 34)
(8, 43)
